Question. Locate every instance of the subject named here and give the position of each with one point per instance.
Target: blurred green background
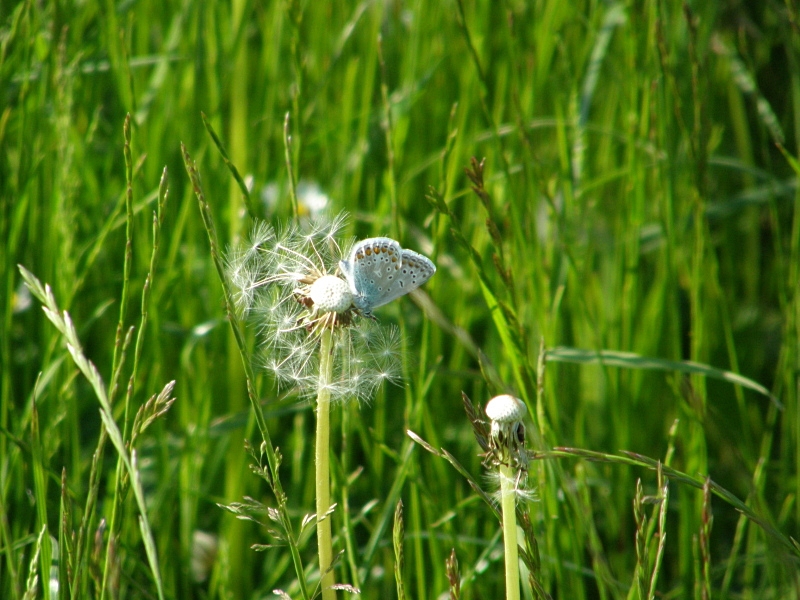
(640, 197)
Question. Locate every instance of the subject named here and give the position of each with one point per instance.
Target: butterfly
(378, 270)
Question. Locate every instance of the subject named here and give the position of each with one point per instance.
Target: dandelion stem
(323, 476)
(507, 490)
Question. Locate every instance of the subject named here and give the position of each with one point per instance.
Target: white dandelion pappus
(379, 270)
(289, 282)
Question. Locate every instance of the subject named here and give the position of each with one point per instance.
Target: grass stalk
(120, 347)
(398, 537)
(322, 461)
(40, 490)
(126, 267)
(273, 459)
(386, 124)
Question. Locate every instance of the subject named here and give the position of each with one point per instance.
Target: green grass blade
(634, 361)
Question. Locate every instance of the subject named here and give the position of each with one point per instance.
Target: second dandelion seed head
(507, 436)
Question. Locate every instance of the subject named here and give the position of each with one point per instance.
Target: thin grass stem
(287, 146)
(126, 269)
(386, 123)
(120, 347)
(272, 457)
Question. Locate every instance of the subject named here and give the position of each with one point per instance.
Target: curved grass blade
(630, 360)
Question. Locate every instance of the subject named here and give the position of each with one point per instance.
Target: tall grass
(623, 254)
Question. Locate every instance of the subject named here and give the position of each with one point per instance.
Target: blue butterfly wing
(415, 269)
(378, 271)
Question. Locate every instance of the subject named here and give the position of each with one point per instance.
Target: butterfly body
(378, 270)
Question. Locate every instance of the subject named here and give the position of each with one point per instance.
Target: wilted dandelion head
(288, 282)
(507, 436)
(506, 446)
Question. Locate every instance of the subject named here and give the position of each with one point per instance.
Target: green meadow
(609, 192)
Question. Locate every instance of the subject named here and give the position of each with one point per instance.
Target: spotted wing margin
(348, 266)
(414, 271)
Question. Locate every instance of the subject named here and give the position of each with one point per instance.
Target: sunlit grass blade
(635, 361)
(248, 202)
(442, 453)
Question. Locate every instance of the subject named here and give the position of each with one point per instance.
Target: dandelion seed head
(331, 294)
(287, 281)
(261, 235)
(506, 409)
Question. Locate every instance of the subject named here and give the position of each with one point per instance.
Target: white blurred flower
(204, 554)
(270, 194)
(21, 300)
(311, 198)
(312, 201)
